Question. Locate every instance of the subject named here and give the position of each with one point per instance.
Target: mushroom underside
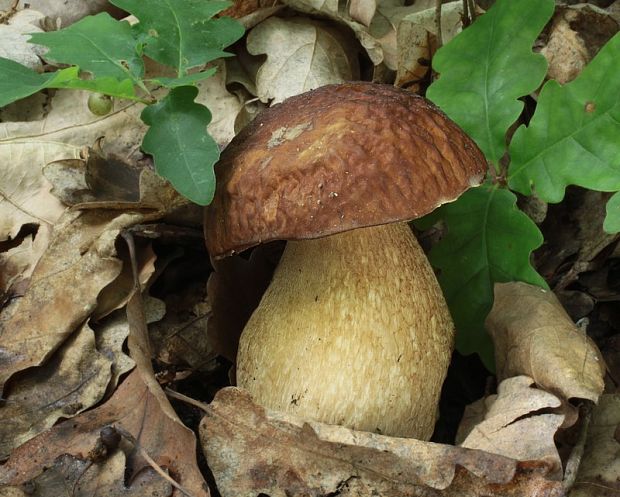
(353, 330)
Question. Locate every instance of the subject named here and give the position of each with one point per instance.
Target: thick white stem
(353, 330)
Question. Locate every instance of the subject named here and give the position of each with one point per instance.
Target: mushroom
(353, 328)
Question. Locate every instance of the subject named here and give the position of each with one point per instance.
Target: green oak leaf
(177, 139)
(488, 240)
(574, 135)
(97, 44)
(18, 81)
(182, 33)
(612, 220)
(108, 86)
(190, 79)
(487, 67)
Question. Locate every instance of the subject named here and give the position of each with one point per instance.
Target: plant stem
(438, 23)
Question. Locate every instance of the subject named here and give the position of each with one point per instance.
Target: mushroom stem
(353, 330)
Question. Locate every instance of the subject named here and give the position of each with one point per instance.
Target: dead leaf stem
(574, 460)
(438, 22)
(158, 469)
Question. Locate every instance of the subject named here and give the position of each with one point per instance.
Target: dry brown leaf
(65, 12)
(223, 105)
(599, 472)
(181, 337)
(63, 291)
(252, 452)
(341, 15)
(513, 427)
(14, 36)
(111, 333)
(534, 336)
(140, 351)
(115, 295)
(74, 477)
(302, 54)
(577, 33)
(17, 264)
(363, 10)
(74, 379)
(133, 408)
(99, 181)
(25, 147)
(417, 40)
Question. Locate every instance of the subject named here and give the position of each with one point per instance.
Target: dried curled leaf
(513, 426)
(74, 379)
(534, 336)
(252, 451)
(63, 291)
(600, 465)
(302, 54)
(136, 410)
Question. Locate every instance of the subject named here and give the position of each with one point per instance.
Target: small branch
(472, 10)
(7, 14)
(158, 469)
(574, 460)
(438, 23)
(184, 398)
(465, 18)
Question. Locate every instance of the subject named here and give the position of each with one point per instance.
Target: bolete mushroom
(353, 329)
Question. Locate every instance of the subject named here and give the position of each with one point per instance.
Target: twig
(574, 460)
(7, 14)
(438, 23)
(151, 462)
(472, 10)
(184, 398)
(465, 18)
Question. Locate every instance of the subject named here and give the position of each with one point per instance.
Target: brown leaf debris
(252, 451)
(534, 336)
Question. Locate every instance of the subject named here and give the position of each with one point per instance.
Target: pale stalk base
(353, 330)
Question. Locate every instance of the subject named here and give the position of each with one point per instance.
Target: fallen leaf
(181, 338)
(63, 290)
(223, 105)
(17, 263)
(110, 335)
(363, 10)
(242, 70)
(71, 476)
(254, 452)
(331, 11)
(133, 408)
(72, 380)
(112, 331)
(416, 40)
(599, 471)
(576, 35)
(25, 147)
(65, 12)
(302, 54)
(319, 5)
(118, 292)
(534, 336)
(512, 425)
(14, 36)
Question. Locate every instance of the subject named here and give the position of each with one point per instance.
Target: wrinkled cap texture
(334, 159)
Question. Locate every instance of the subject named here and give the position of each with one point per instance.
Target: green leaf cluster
(107, 56)
(572, 139)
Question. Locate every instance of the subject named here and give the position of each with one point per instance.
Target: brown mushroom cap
(334, 159)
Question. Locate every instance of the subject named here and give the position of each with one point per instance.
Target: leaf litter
(73, 453)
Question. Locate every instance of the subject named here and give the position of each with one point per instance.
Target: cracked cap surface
(334, 159)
